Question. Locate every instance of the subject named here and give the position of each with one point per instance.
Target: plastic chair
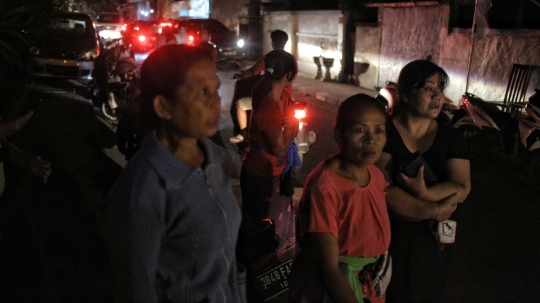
(514, 98)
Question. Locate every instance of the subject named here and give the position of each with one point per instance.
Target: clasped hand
(416, 186)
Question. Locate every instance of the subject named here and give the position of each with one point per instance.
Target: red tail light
(299, 113)
(191, 40)
(142, 38)
(124, 27)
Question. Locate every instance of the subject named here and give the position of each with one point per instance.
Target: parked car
(228, 44)
(109, 26)
(67, 48)
(140, 35)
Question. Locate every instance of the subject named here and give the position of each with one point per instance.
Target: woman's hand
(458, 182)
(416, 186)
(446, 208)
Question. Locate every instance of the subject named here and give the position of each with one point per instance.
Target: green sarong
(349, 266)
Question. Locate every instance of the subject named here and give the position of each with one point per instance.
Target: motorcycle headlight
(240, 43)
(90, 55)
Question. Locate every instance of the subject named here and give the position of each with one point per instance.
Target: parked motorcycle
(257, 242)
(305, 138)
(388, 96)
(115, 78)
(529, 128)
(529, 133)
(476, 114)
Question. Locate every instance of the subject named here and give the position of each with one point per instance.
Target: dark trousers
(261, 199)
(419, 267)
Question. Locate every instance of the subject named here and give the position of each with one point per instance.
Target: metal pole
(472, 46)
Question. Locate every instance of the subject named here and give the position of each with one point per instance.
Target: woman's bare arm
(459, 183)
(404, 205)
(326, 253)
(278, 140)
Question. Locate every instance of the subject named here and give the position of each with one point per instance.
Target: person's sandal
(237, 139)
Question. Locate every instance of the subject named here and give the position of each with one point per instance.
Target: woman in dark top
(420, 263)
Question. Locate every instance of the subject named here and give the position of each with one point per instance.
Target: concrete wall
(368, 51)
(492, 61)
(427, 33)
(409, 34)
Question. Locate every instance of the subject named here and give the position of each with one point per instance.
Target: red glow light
(299, 113)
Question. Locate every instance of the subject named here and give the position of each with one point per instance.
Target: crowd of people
(173, 223)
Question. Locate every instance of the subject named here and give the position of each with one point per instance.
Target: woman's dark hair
(277, 63)
(414, 76)
(161, 74)
(351, 107)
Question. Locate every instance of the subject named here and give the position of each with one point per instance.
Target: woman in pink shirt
(342, 223)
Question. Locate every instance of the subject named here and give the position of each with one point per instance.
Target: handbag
(286, 186)
(377, 276)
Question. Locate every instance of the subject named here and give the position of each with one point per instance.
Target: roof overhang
(401, 3)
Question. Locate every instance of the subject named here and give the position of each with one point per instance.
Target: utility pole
(347, 49)
(254, 29)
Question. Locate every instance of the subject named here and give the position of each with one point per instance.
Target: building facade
(405, 33)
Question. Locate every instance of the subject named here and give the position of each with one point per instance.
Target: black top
(448, 144)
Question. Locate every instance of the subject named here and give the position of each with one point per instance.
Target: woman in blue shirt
(173, 219)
